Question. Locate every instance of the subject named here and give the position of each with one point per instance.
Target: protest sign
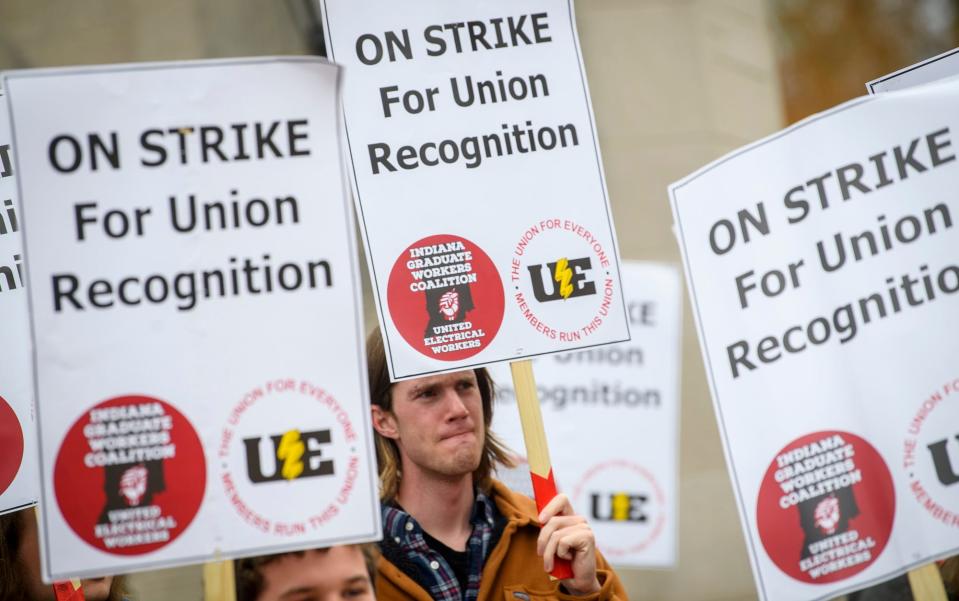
(925, 581)
(822, 269)
(200, 370)
(622, 403)
(933, 69)
(19, 485)
(478, 180)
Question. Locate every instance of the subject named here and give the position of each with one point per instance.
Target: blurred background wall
(674, 83)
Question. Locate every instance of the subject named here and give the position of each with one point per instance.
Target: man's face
(437, 422)
(94, 589)
(334, 574)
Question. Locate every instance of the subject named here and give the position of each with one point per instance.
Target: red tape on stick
(65, 591)
(544, 490)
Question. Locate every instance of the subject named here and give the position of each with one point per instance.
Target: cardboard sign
(19, 484)
(478, 180)
(932, 69)
(823, 272)
(622, 402)
(200, 371)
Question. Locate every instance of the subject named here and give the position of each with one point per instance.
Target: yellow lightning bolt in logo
(290, 452)
(620, 504)
(564, 275)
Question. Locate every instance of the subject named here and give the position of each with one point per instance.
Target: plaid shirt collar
(433, 572)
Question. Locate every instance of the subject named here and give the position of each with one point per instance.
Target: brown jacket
(513, 570)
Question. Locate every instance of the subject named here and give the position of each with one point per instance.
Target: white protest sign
(201, 376)
(478, 180)
(19, 485)
(823, 272)
(933, 69)
(621, 402)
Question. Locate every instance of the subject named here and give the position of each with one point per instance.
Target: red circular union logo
(130, 475)
(825, 507)
(445, 297)
(11, 445)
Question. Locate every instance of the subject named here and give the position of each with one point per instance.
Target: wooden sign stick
(537, 450)
(218, 581)
(926, 583)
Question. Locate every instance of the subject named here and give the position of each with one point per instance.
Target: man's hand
(569, 536)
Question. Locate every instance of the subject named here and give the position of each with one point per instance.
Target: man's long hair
(388, 454)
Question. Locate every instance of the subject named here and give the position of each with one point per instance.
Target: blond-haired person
(450, 531)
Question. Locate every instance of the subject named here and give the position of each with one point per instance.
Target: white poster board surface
(823, 272)
(478, 180)
(933, 69)
(200, 369)
(622, 403)
(19, 484)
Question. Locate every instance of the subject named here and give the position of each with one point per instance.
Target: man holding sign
(450, 530)
(475, 117)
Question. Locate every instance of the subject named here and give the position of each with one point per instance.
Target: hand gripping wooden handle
(537, 450)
